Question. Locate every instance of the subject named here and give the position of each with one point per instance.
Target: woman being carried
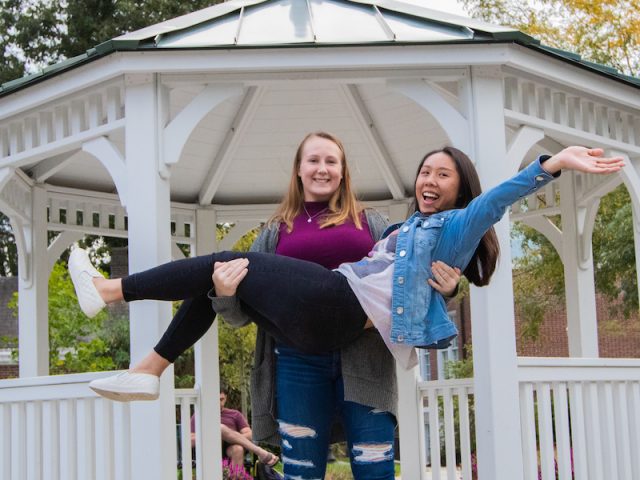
(319, 310)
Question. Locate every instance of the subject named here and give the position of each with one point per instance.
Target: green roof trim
(515, 36)
(115, 45)
(598, 67)
(563, 53)
(64, 64)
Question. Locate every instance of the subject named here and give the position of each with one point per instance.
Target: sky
(449, 6)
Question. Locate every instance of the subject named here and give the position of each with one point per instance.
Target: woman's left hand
(445, 278)
(582, 159)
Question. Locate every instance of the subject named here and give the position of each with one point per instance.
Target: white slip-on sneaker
(82, 274)
(127, 386)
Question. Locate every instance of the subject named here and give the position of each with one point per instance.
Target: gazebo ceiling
(260, 165)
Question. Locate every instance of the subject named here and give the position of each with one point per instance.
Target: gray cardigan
(368, 368)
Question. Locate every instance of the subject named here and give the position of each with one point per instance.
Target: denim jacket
(419, 313)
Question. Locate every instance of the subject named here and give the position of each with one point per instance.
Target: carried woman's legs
(316, 311)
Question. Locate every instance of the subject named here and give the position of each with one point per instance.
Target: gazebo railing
(580, 418)
(186, 403)
(56, 428)
(449, 420)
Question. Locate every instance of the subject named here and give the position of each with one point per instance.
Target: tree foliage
(539, 274)
(236, 345)
(614, 250)
(8, 250)
(74, 344)
(35, 33)
(606, 31)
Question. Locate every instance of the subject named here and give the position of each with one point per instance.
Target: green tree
(73, 342)
(539, 275)
(8, 250)
(614, 250)
(35, 33)
(606, 31)
(236, 344)
(460, 368)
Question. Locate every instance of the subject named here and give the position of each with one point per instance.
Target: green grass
(338, 470)
(341, 470)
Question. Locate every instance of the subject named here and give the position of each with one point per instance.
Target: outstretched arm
(582, 159)
(469, 224)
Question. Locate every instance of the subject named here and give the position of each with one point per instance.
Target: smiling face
(320, 169)
(437, 184)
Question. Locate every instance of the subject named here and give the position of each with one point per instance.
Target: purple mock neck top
(329, 246)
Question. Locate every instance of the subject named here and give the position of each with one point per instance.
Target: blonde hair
(343, 204)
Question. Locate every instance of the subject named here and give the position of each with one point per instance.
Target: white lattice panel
(62, 119)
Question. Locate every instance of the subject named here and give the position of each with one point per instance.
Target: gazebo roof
(321, 23)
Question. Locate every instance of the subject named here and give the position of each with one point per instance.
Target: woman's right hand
(228, 275)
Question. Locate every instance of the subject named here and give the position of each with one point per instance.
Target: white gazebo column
(33, 319)
(207, 368)
(494, 337)
(579, 279)
(153, 434)
(412, 440)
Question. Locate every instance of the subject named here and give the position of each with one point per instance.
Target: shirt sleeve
(241, 422)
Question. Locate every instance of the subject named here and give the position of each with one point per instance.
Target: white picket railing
(580, 419)
(581, 414)
(187, 403)
(442, 398)
(55, 428)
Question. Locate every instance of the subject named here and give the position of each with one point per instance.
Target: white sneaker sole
(124, 396)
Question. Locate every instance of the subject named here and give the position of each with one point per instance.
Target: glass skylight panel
(221, 31)
(342, 22)
(286, 21)
(409, 29)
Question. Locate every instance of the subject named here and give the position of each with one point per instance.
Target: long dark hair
(483, 262)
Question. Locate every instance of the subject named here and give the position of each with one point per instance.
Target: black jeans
(300, 303)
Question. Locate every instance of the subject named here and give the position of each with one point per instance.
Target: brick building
(617, 337)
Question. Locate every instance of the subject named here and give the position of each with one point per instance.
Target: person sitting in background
(236, 436)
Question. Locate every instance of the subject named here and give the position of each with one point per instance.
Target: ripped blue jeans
(310, 398)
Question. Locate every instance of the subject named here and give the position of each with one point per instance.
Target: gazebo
(160, 134)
